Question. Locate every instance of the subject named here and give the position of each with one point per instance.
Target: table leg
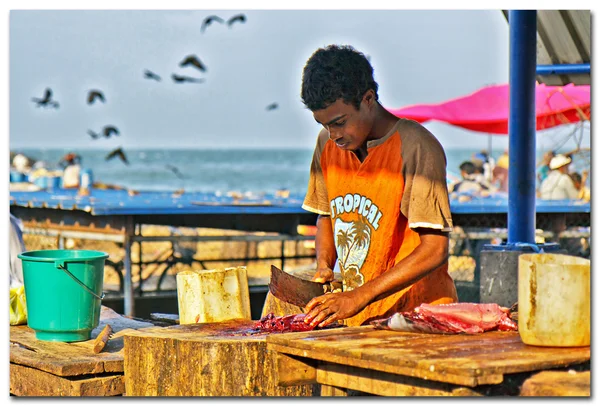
(129, 300)
(327, 390)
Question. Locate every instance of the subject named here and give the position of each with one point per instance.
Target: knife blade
(297, 291)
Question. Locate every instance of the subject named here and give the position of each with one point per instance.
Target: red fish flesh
(283, 324)
(469, 318)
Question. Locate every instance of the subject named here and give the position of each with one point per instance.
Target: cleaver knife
(295, 290)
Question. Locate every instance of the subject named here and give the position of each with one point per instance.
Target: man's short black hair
(576, 177)
(468, 167)
(336, 72)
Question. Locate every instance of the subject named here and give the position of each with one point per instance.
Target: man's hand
(326, 309)
(323, 275)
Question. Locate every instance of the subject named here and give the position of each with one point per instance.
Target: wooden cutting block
(47, 368)
(210, 359)
(213, 295)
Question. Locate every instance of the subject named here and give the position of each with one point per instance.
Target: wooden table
(391, 363)
(47, 368)
(205, 359)
(558, 383)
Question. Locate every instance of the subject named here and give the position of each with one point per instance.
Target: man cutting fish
(378, 184)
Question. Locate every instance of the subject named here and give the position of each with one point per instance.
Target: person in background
(579, 182)
(472, 180)
(21, 163)
(500, 173)
(16, 246)
(544, 166)
(378, 184)
(487, 164)
(558, 185)
(72, 171)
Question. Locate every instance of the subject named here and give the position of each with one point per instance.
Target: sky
(419, 56)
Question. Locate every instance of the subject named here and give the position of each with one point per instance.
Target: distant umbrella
(92, 134)
(239, 17)
(209, 20)
(192, 60)
(109, 130)
(272, 106)
(119, 153)
(94, 95)
(182, 79)
(151, 75)
(175, 170)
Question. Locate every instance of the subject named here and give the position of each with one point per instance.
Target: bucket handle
(61, 265)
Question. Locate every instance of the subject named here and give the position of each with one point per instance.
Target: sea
(215, 170)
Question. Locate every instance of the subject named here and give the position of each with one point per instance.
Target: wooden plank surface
(25, 381)
(466, 360)
(209, 359)
(385, 384)
(558, 383)
(70, 359)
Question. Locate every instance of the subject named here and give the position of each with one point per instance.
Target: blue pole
(521, 126)
(563, 69)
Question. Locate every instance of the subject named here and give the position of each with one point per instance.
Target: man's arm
(325, 250)
(427, 257)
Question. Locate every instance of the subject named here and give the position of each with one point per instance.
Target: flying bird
(209, 20)
(193, 61)
(175, 170)
(94, 95)
(181, 79)
(117, 153)
(109, 130)
(272, 106)
(151, 75)
(240, 17)
(93, 134)
(46, 100)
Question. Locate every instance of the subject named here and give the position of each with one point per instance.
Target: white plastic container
(554, 300)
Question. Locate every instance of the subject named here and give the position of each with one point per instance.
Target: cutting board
(467, 360)
(46, 368)
(208, 359)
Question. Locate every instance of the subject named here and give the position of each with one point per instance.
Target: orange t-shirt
(374, 207)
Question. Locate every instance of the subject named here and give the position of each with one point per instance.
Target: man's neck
(383, 123)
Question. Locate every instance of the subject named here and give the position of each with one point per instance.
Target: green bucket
(63, 290)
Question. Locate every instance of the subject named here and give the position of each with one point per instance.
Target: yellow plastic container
(554, 300)
(213, 295)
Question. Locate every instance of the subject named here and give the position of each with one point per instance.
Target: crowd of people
(557, 179)
(481, 176)
(29, 169)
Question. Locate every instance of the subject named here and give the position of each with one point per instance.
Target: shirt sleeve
(567, 185)
(316, 200)
(425, 200)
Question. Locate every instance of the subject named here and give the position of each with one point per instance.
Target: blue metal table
(118, 213)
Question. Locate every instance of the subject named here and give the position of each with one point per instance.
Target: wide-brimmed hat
(559, 161)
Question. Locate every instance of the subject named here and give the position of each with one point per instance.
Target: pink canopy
(487, 109)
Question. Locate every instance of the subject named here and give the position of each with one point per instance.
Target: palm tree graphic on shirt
(352, 242)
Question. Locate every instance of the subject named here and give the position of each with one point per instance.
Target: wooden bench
(47, 368)
(557, 383)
